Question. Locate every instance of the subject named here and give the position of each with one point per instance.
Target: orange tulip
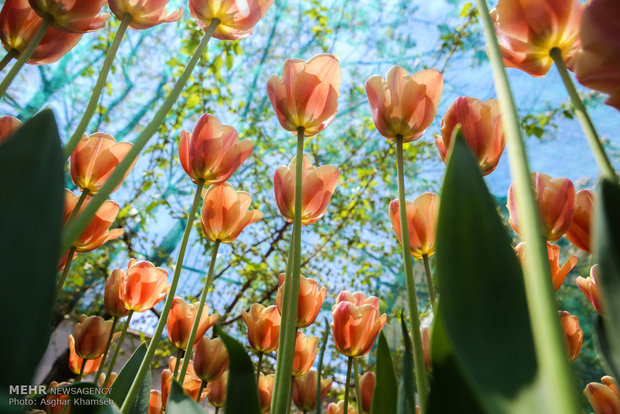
(91, 336)
(421, 223)
(527, 30)
(481, 125)
(94, 160)
(18, 24)
(265, 391)
(237, 19)
(263, 325)
(75, 361)
(367, 389)
(213, 152)
(57, 403)
(191, 382)
(181, 319)
(319, 184)
(112, 295)
(98, 230)
(210, 359)
(144, 13)
(76, 16)
(573, 335)
(310, 300)
(558, 273)
(579, 233)
(604, 398)
(217, 390)
(306, 96)
(143, 286)
(556, 201)
(591, 289)
(404, 105)
(155, 402)
(334, 408)
(598, 64)
(225, 213)
(8, 125)
(304, 390)
(101, 379)
(306, 350)
(356, 323)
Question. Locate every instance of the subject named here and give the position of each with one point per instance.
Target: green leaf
(406, 387)
(125, 378)
(86, 402)
(604, 348)
(180, 403)
(241, 380)
(385, 396)
(483, 308)
(31, 214)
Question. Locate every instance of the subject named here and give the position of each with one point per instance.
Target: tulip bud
(579, 233)
(558, 274)
(591, 289)
(311, 299)
(191, 382)
(75, 361)
(217, 390)
(306, 350)
(144, 286)
(573, 335)
(265, 391)
(210, 359)
(8, 124)
(181, 320)
(112, 295)
(144, 14)
(304, 390)
(367, 389)
(421, 223)
(334, 408)
(263, 327)
(91, 336)
(76, 16)
(155, 402)
(604, 398)
(236, 20)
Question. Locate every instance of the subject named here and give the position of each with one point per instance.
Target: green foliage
(406, 385)
(125, 378)
(385, 396)
(180, 403)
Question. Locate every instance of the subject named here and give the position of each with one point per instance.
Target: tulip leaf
(85, 401)
(31, 214)
(385, 397)
(483, 309)
(604, 348)
(241, 379)
(406, 387)
(180, 403)
(125, 378)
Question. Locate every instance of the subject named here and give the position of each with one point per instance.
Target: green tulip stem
(118, 348)
(107, 348)
(429, 282)
(347, 384)
(258, 365)
(217, 410)
(202, 387)
(7, 58)
(358, 390)
(79, 377)
(78, 205)
(180, 353)
(65, 272)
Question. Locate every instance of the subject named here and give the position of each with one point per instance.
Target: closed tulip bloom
(558, 273)
(210, 359)
(556, 201)
(236, 18)
(310, 300)
(155, 402)
(212, 152)
(76, 16)
(8, 126)
(527, 30)
(319, 184)
(306, 350)
(143, 286)
(101, 379)
(356, 323)
(591, 289)
(263, 325)
(306, 96)
(144, 13)
(112, 295)
(334, 408)
(91, 336)
(573, 335)
(579, 233)
(604, 398)
(304, 390)
(481, 125)
(421, 223)
(94, 160)
(75, 361)
(225, 213)
(191, 382)
(404, 105)
(217, 390)
(181, 319)
(265, 391)
(367, 389)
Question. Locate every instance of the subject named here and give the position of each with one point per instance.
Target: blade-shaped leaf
(31, 213)
(604, 348)
(385, 396)
(125, 379)
(406, 387)
(180, 403)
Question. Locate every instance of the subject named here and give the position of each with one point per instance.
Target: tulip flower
(8, 126)
(310, 300)
(76, 362)
(143, 286)
(306, 350)
(213, 152)
(604, 398)
(528, 30)
(144, 13)
(556, 201)
(573, 335)
(319, 184)
(112, 295)
(265, 391)
(56, 403)
(236, 19)
(426, 348)
(304, 390)
(579, 233)
(334, 408)
(404, 105)
(94, 160)
(210, 359)
(558, 273)
(76, 16)
(421, 222)
(191, 382)
(225, 213)
(155, 402)
(591, 289)
(180, 321)
(263, 325)
(367, 389)
(356, 323)
(91, 336)
(19, 23)
(217, 390)
(306, 95)
(101, 380)
(481, 125)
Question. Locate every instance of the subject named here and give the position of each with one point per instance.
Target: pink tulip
(144, 13)
(236, 18)
(76, 16)
(421, 223)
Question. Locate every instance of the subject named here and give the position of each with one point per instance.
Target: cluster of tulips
(305, 98)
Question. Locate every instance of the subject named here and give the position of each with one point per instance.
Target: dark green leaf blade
(126, 376)
(385, 397)
(406, 387)
(180, 403)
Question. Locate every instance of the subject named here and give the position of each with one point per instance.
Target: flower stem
(421, 378)
(71, 231)
(555, 371)
(118, 348)
(180, 353)
(105, 353)
(604, 164)
(319, 369)
(429, 281)
(7, 58)
(288, 331)
(65, 272)
(79, 377)
(150, 351)
(358, 390)
(25, 55)
(202, 387)
(258, 365)
(78, 205)
(91, 107)
(203, 297)
(217, 410)
(347, 386)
